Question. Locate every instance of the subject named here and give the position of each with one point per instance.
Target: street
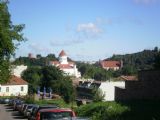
(7, 113)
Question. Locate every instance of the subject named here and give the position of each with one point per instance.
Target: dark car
(36, 109)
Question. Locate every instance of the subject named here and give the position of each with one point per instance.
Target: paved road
(7, 113)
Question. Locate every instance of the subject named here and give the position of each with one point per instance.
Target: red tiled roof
(65, 66)
(62, 53)
(128, 78)
(14, 80)
(110, 64)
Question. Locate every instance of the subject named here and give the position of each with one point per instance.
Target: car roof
(56, 110)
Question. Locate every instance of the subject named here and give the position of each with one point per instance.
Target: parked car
(17, 104)
(55, 114)
(36, 109)
(28, 110)
(4, 101)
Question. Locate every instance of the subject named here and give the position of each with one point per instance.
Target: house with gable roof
(16, 86)
(68, 67)
(111, 64)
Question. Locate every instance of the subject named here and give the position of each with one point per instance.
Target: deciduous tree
(10, 36)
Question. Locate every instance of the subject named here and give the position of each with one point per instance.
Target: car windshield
(29, 107)
(55, 115)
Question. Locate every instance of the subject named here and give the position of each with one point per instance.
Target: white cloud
(146, 2)
(89, 29)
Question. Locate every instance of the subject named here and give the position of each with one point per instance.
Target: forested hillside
(140, 60)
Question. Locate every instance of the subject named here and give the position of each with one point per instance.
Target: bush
(102, 110)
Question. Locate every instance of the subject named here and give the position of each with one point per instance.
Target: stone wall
(146, 88)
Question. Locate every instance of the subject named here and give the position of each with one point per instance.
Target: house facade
(16, 86)
(69, 68)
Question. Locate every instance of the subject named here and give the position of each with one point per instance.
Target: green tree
(10, 36)
(50, 77)
(33, 76)
(60, 84)
(129, 70)
(98, 96)
(157, 61)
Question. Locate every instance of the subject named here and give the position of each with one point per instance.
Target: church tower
(63, 57)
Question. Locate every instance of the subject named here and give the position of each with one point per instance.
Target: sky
(87, 30)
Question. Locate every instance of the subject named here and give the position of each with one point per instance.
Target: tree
(49, 77)
(99, 95)
(157, 61)
(9, 35)
(33, 76)
(129, 70)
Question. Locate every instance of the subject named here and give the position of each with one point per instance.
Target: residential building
(68, 67)
(110, 64)
(16, 86)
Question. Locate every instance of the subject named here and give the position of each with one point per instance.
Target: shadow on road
(8, 108)
(17, 115)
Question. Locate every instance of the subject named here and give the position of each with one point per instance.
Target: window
(7, 89)
(22, 88)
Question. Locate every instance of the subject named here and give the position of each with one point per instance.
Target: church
(68, 67)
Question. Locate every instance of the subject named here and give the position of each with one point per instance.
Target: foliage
(126, 110)
(129, 70)
(49, 77)
(157, 61)
(102, 110)
(94, 72)
(38, 61)
(140, 60)
(9, 35)
(98, 96)
(33, 76)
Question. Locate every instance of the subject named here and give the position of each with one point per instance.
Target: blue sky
(87, 29)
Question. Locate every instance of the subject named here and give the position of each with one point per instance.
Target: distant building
(110, 64)
(14, 87)
(67, 67)
(31, 56)
(17, 70)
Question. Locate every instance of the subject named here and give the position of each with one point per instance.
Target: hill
(140, 60)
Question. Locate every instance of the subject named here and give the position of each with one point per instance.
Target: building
(68, 67)
(17, 70)
(16, 86)
(109, 64)
(85, 89)
(146, 87)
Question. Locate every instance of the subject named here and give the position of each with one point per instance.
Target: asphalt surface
(7, 113)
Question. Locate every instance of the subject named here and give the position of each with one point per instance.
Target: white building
(17, 70)
(107, 88)
(14, 87)
(67, 67)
